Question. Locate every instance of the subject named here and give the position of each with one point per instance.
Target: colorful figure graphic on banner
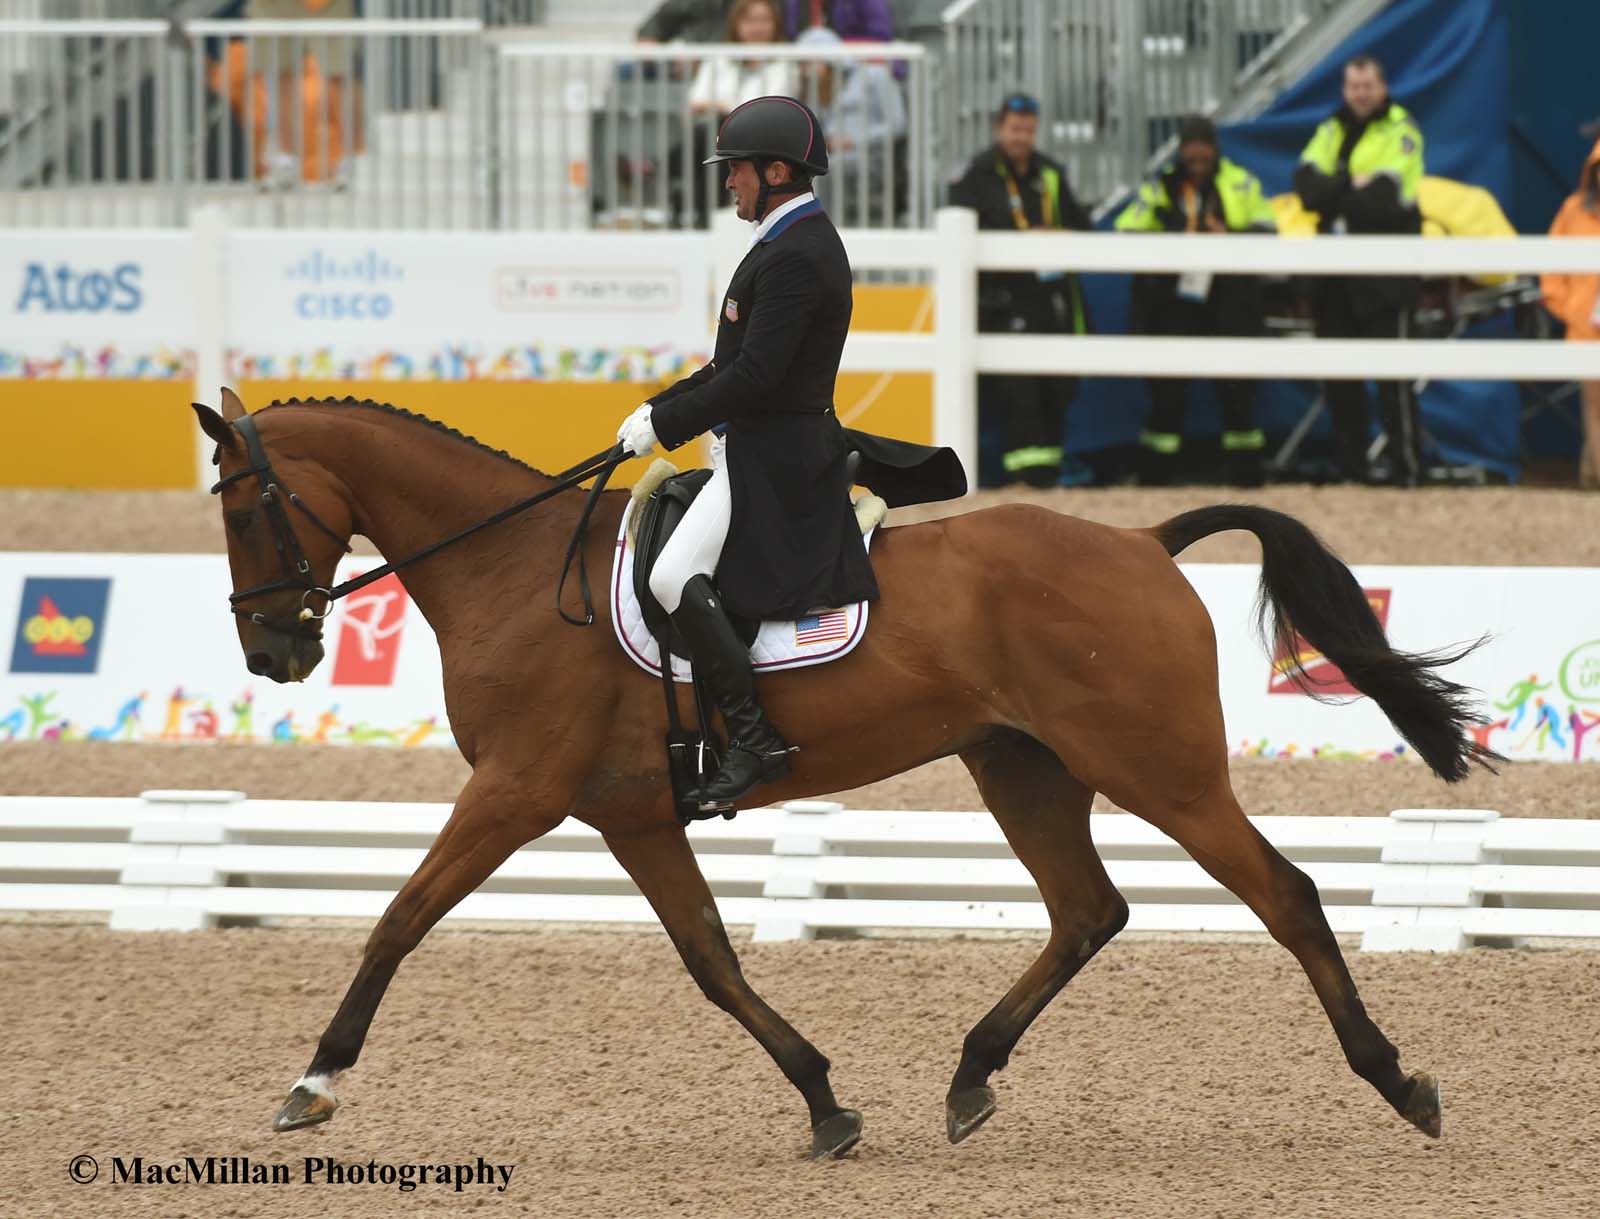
(126, 723)
(420, 732)
(1582, 723)
(61, 730)
(283, 728)
(12, 724)
(364, 734)
(38, 708)
(203, 724)
(177, 704)
(1516, 699)
(326, 723)
(244, 717)
(1546, 727)
(1482, 732)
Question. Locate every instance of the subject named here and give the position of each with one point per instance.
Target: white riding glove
(637, 433)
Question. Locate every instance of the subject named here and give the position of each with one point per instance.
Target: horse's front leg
(492, 818)
(664, 867)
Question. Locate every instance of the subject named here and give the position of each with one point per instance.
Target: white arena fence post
(208, 230)
(172, 865)
(955, 328)
(1427, 878)
(801, 840)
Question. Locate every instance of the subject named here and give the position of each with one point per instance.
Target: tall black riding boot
(756, 753)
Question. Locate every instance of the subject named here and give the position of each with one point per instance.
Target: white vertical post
(1426, 877)
(793, 883)
(955, 328)
(208, 231)
(172, 861)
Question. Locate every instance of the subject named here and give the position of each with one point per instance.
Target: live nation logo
(1324, 674)
(369, 634)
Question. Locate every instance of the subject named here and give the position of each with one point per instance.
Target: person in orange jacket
(1575, 299)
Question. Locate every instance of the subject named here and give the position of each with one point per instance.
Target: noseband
(297, 568)
(291, 557)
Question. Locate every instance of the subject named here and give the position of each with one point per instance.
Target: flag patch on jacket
(731, 310)
(821, 628)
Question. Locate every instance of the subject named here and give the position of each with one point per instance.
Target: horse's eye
(240, 521)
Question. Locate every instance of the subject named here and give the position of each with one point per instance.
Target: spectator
(863, 113)
(867, 20)
(1201, 191)
(1360, 173)
(316, 98)
(1575, 299)
(721, 84)
(1012, 186)
(685, 21)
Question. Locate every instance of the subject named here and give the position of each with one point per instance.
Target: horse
(1055, 656)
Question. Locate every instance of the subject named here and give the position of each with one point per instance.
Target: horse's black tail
(1305, 588)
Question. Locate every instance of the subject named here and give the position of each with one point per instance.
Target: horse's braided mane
(389, 409)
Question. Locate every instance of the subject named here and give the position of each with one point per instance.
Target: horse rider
(774, 525)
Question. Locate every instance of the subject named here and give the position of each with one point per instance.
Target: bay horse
(1055, 656)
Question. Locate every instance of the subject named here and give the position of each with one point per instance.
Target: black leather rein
(297, 569)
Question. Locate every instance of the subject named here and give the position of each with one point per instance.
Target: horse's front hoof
(833, 1136)
(305, 1107)
(1422, 1106)
(965, 1111)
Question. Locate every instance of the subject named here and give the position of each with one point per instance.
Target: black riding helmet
(767, 129)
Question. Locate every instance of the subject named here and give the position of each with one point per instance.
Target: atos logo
(343, 289)
(63, 289)
(60, 625)
(369, 634)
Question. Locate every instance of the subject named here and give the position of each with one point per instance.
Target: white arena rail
(1438, 880)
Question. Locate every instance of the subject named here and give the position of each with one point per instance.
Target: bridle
(291, 556)
(296, 567)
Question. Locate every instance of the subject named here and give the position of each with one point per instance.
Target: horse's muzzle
(284, 658)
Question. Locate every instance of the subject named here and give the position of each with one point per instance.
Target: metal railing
(355, 123)
(613, 137)
(1112, 76)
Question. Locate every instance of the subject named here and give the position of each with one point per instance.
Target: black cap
(772, 129)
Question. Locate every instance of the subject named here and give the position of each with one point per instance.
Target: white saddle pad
(812, 640)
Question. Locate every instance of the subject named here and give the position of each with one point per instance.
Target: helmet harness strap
(763, 196)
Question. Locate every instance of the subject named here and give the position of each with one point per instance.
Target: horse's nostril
(258, 663)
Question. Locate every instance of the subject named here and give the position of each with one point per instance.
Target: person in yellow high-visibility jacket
(1360, 174)
(1200, 191)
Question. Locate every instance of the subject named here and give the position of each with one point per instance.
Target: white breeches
(696, 544)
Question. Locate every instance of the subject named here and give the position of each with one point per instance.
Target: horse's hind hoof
(305, 1107)
(833, 1136)
(1422, 1106)
(965, 1111)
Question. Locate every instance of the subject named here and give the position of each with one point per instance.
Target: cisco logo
(65, 289)
(343, 289)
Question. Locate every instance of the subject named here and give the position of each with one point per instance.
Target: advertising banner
(96, 304)
(142, 648)
(466, 306)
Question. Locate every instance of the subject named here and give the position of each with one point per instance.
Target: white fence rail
(1437, 880)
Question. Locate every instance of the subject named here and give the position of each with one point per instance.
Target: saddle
(658, 518)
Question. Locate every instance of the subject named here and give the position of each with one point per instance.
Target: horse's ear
(232, 408)
(215, 426)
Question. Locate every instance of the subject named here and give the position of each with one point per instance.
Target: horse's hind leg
(664, 867)
(1214, 830)
(1044, 813)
